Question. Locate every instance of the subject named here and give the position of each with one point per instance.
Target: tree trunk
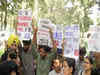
(1, 20)
(5, 20)
(15, 25)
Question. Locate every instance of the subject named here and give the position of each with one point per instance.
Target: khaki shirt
(43, 65)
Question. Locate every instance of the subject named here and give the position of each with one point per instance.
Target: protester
(45, 55)
(57, 67)
(98, 70)
(36, 59)
(88, 67)
(82, 53)
(79, 63)
(11, 44)
(97, 62)
(9, 66)
(27, 59)
(69, 66)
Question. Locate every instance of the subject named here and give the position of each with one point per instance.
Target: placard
(72, 41)
(43, 36)
(58, 36)
(93, 42)
(24, 25)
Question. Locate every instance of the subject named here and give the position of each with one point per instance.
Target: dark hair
(59, 57)
(88, 35)
(82, 51)
(91, 59)
(26, 42)
(71, 63)
(46, 48)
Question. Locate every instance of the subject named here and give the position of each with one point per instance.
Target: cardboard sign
(72, 41)
(93, 42)
(58, 36)
(24, 27)
(43, 35)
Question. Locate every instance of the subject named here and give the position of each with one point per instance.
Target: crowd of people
(33, 59)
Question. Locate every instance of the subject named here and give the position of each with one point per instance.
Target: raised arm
(53, 52)
(35, 29)
(63, 48)
(52, 40)
(34, 42)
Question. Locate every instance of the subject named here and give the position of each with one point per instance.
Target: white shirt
(53, 72)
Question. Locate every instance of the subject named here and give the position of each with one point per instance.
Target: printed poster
(24, 25)
(43, 36)
(72, 41)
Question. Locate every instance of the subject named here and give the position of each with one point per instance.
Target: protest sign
(72, 41)
(24, 25)
(43, 35)
(93, 42)
(58, 36)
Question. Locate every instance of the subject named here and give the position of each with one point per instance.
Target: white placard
(43, 36)
(24, 25)
(72, 41)
(93, 42)
(58, 36)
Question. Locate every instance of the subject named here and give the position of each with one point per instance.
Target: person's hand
(63, 42)
(35, 35)
(35, 28)
(51, 36)
(63, 47)
(50, 31)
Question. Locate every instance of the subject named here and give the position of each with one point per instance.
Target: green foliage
(54, 10)
(98, 20)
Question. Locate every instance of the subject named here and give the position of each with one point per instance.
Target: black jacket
(7, 67)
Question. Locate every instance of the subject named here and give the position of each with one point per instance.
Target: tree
(55, 10)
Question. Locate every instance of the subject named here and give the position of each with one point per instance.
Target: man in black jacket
(9, 67)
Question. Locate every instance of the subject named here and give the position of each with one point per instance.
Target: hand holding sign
(35, 28)
(50, 31)
(51, 36)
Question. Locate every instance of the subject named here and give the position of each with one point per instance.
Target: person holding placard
(43, 54)
(27, 59)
